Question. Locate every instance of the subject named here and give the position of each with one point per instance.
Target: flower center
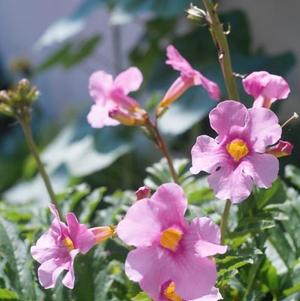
(237, 149)
(68, 243)
(170, 239)
(170, 293)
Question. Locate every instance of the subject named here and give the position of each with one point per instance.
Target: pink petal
(214, 295)
(231, 184)
(211, 87)
(179, 86)
(49, 271)
(170, 204)
(263, 168)
(207, 155)
(140, 227)
(129, 80)
(148, 267)
(47, 247)
(82, 237)
(98, 117)
(178, 62)
(226, 115)
(100, 85)
(204, 237)
(265, 86)
(69, 278)
(265, 129)
(194, 276)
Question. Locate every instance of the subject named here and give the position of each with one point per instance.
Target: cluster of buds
(17, 101)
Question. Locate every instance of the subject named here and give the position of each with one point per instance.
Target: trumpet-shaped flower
(168, 248)
(188, 77)
(237, 159)
(112, 103)
(266, 88)
(56, 249)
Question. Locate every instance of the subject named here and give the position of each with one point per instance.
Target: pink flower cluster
(247, 145)
(172, 259)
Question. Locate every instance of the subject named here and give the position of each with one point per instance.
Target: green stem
(162, 146)
(31, 144)
(220, 40)
(224, 220)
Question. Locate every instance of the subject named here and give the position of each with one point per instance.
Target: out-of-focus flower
(281, 149)
(168, 249)
(112, 103)
(237, 159)
(56, 249)
(188, 77)
(266, 88)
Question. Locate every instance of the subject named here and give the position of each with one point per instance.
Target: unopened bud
(143, 192)
(103, 233)
(281, 149)
(197, 15)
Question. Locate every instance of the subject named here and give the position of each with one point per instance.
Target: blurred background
(58, 44)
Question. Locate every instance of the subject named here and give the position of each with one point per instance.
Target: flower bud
(143, 192)
(281, 149)
(103, 233)
(197, 15)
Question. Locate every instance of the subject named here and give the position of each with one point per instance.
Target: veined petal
(263, 168)
(203, 236)
(264, 128)
(228, 114)
(231, 184)
(207, 155)
(141, 226)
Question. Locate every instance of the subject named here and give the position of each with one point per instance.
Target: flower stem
(25, 124)
(162, 146)
(220, 40)
(224, 220)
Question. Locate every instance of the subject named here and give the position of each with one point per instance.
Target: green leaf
(141, 297)
(6, 294)
(19, 266)
(292, 173)
(71, 54)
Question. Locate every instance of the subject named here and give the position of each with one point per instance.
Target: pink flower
(56, 249)
(111, 97)
(266, 88)
(281, 149)
(168, 249)
(143, 192)
(237, 158)
(188, 77)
